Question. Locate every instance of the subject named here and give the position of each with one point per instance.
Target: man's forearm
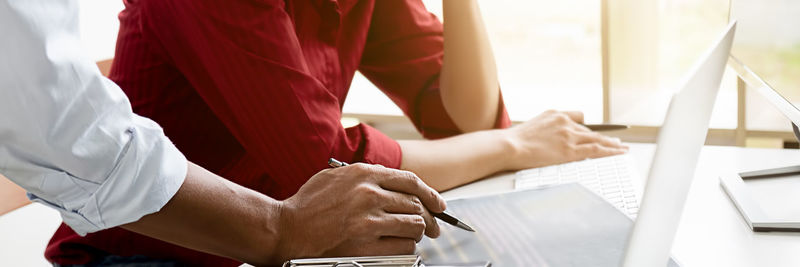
(450, 162)
(216, 216)
(469, 86)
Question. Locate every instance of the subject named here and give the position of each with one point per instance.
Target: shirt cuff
(380, 149)
(502, 121)
(146, 177)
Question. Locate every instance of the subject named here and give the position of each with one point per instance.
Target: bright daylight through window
(547, 52)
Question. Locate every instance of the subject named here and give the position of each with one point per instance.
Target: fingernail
(442, 204)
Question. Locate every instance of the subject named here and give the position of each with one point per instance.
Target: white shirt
(67, 134)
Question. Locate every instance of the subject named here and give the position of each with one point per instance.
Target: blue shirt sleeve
(68, 134)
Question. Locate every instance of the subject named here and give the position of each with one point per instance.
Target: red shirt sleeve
(403, 57)
(244, 59)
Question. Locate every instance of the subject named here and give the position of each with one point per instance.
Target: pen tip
(465, 227)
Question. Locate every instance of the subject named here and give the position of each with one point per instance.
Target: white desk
(711, 232)
(24, 234)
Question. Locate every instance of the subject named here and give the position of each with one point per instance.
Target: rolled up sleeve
(67, 134)
(403, 57)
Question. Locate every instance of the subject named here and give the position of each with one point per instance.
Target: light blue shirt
(68, 134)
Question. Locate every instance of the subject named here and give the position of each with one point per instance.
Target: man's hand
(556, 137)
(358, 210)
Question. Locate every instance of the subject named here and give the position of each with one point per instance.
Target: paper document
(564, 225)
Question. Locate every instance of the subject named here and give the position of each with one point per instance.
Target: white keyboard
(609, 177)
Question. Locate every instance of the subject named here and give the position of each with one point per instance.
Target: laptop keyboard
(608, 177)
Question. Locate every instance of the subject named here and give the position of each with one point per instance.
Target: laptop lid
(679, 142)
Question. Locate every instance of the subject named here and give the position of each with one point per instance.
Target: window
(553, 54)
(547, 52)
(768, 42)
(652, 46)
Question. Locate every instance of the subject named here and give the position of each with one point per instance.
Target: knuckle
(595, 148)
(374, 195)
(369, 193)
(366, 223)
(417, 204)
(418, 222)
(359, 225)
(360, 168)
(562, 118)
(413, 179)
(363, 189)
(419, 226)
(434, 196)
(570, 134)
(571, 150)
(410, 176)
(564, 132)
(565, 141)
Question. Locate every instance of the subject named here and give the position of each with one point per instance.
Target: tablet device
(733, 183)
(787, 106)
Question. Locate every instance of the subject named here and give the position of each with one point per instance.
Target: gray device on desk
(570, 226)
(783, 97)
(733, 183)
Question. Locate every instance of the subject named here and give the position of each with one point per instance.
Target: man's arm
(354, 210)
(468, 82)
(67, 134)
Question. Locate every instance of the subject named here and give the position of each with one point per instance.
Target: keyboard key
(609, 177)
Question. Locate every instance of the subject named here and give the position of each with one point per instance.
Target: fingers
(595, 145)
(401, 203)
(594, 137)
(576, 116)
(596, 150)
(431, 225)
(409, 183)
(401, 225)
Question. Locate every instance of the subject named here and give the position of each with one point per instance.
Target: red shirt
(253, 91)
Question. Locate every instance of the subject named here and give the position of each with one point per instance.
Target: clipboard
(388, 261)
(376, 261)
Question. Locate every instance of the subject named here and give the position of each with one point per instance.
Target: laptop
(679, 142)
(569, 225)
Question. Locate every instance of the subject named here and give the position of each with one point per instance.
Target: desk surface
(711, 232)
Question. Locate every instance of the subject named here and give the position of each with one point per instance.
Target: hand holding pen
(442, 216)
(361, 209)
